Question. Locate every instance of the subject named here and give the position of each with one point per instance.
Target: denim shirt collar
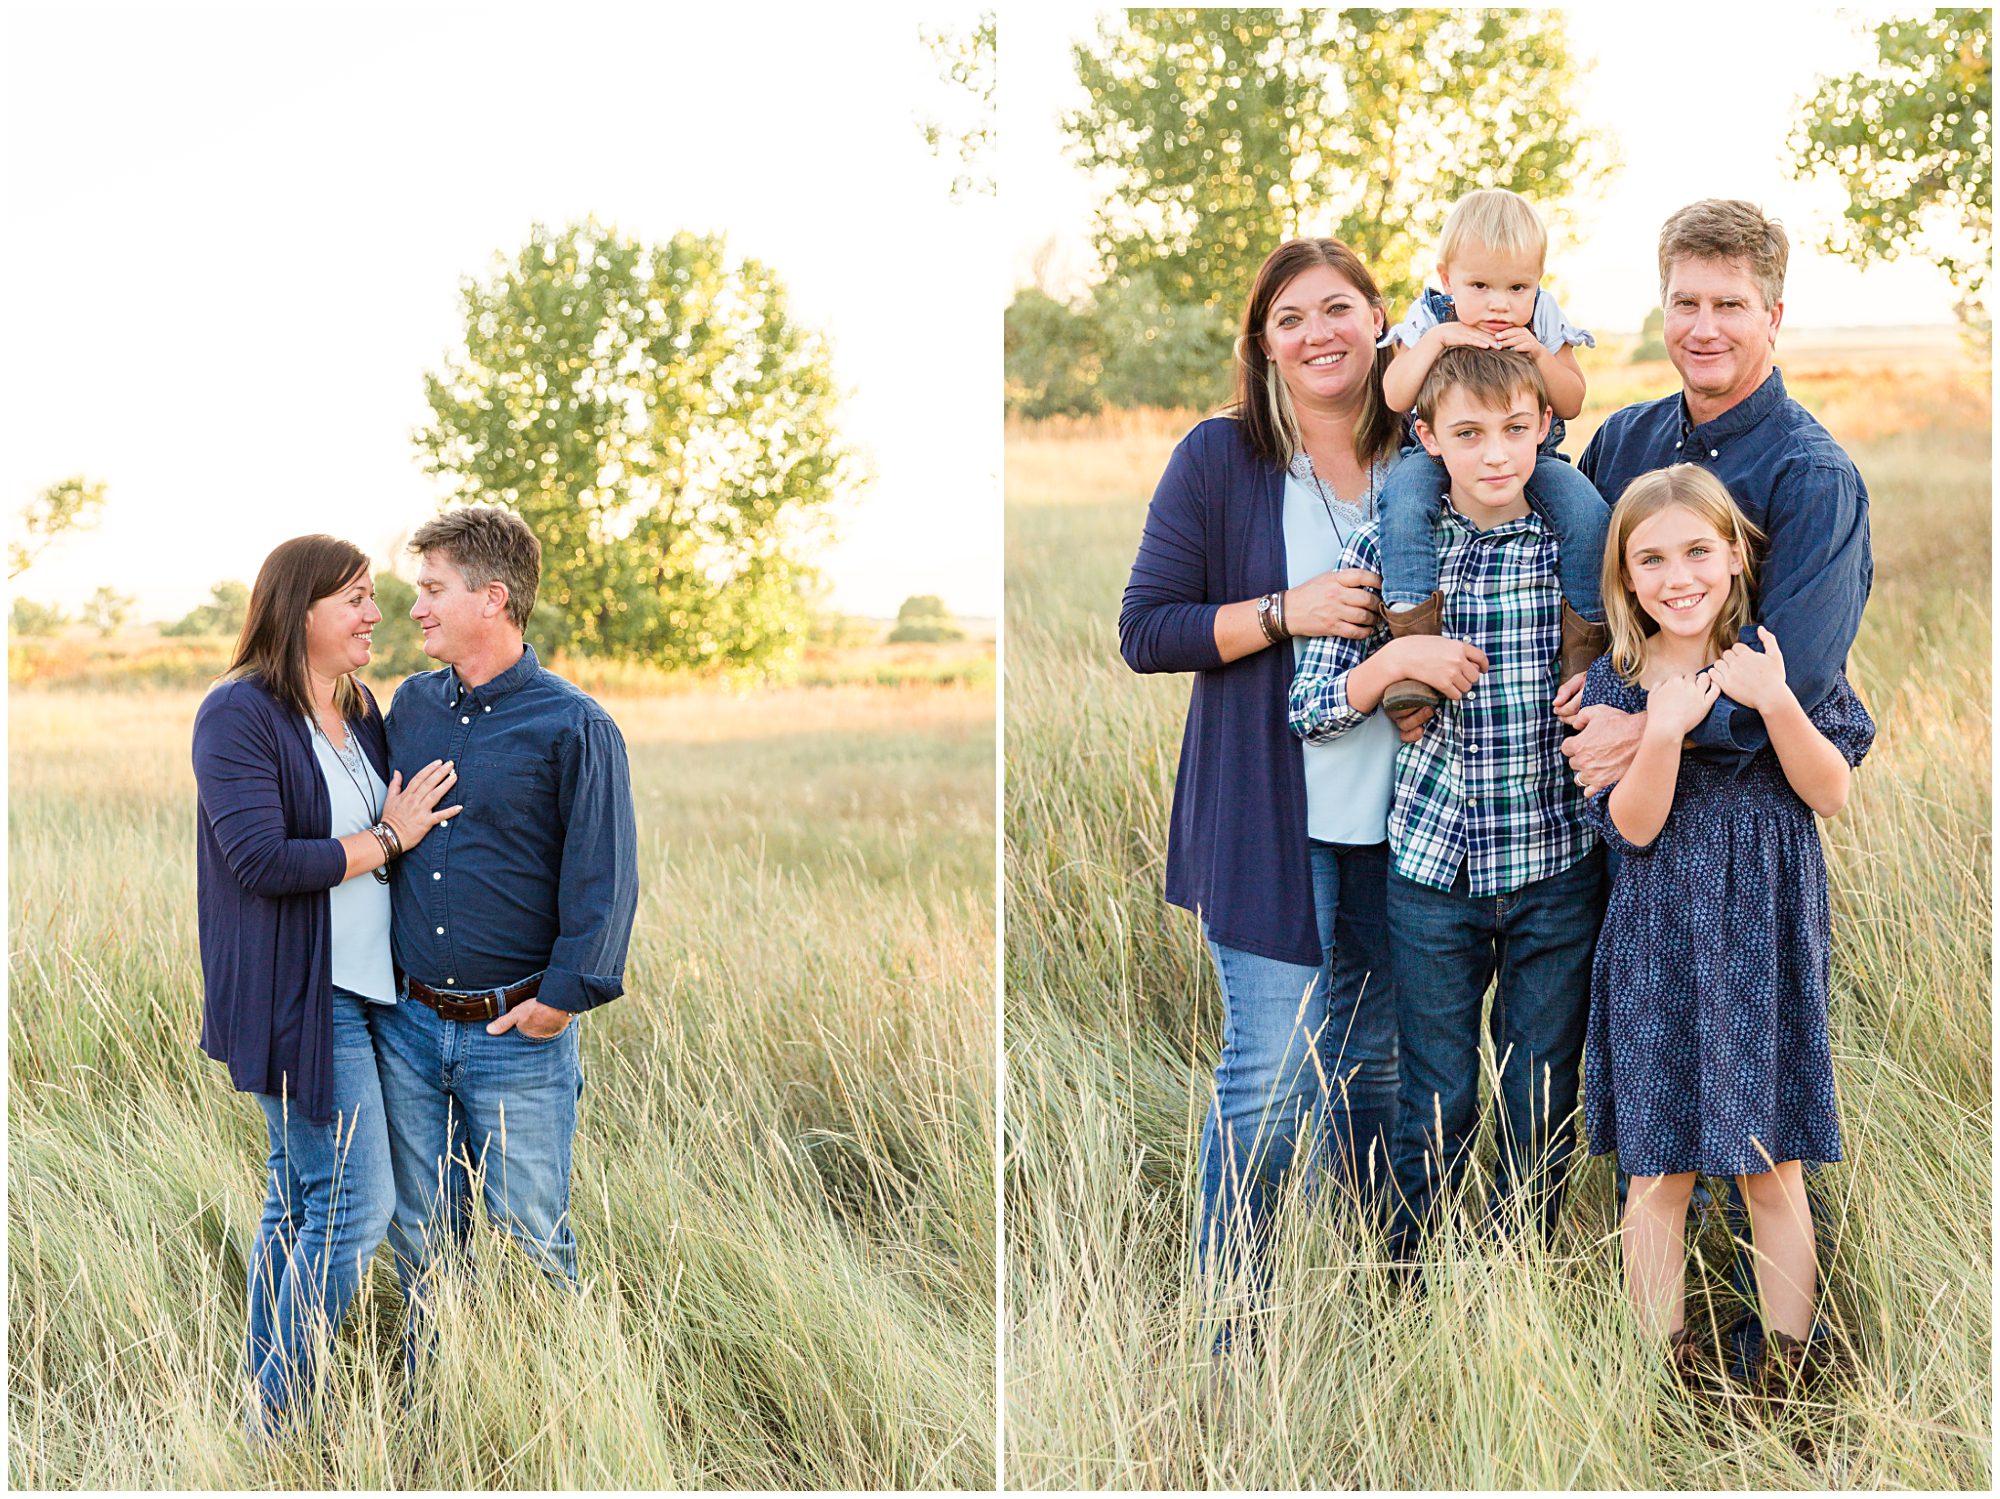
(518, 675)
(1739, 418)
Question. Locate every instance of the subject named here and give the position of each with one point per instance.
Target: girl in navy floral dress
(1707, 1046)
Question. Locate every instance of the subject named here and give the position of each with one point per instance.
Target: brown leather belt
(488, 1004)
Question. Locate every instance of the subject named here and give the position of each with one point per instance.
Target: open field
(1517, 1369)
(783, 1187)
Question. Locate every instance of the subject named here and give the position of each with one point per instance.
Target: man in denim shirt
(510, 920)
(1722, 282)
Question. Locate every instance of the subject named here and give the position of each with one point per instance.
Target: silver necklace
(1302, 468)
(355, 770)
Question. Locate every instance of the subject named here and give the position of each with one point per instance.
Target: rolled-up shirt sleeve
(598, 894)
(236, 778)
(1318, 710)
(1814, 580)
(1166, 621)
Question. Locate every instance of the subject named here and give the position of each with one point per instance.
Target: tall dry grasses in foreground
(783, 1186)
(1518, 1369)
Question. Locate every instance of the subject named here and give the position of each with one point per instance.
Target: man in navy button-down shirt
(1722, 282)
(510, 919)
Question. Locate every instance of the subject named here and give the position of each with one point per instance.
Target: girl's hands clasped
(413, 810)
(1756, 679)
(1678, 704)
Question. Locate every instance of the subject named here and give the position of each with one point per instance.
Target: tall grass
(783, 1185)
(1517, 1368)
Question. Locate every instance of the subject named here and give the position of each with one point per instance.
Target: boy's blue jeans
(1448, 947)
(1565, 500)
(462, 1104)
(326, 1205)
(1302, 1044)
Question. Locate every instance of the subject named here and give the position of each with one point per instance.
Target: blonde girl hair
(1494, 219)
(1684, 486)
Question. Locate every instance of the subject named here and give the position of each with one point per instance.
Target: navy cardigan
(1237, 851)
(264, 863)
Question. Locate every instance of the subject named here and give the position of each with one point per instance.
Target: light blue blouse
(1348, 780)
(359, 907)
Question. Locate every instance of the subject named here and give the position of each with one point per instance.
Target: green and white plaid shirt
(1487, 787)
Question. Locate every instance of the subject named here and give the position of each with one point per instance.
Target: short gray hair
(488, 544)
(1727, 229)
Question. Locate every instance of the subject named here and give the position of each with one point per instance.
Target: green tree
(924, 617)
(72, 504)
(1911, 140)
(1052, 357)
(1652, 337)
(1216, 134)
(657, 417)
(966, 60)
(107, 610)
(223, 614)
(399, 644)
(30, 618)
(1159, 352)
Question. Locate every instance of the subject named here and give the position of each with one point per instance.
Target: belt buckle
(493, 1010)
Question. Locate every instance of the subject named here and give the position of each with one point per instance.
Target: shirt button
(451, 978)
(437, 874)
(440, 931)
(444, 822)
(465, 720)
(487, 709)
(1713, 453)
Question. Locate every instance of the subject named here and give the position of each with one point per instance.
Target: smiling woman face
(340, 627)
(1320, 336)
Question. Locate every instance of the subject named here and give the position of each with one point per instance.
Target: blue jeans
(1568, 502)
(466, 1107)
(1303, 1043)
(1448, 946)
(325, 1210)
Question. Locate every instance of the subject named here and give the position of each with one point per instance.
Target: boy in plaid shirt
(1493, 865)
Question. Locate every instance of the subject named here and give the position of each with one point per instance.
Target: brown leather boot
(1787, 1367)
(1583, 643)
(1426, 618)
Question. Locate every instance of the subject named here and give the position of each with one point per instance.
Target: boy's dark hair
(486, 543)
(1490, 376)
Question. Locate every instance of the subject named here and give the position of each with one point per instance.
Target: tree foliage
(967, 61)
(923, 617)
(664, 426)
(1652, 344)
(72, 504)
(1219, 133)
(228, 603)
(1052, 356)
(106, 610)
(399, 644)
(1911, 140)
(30, 618)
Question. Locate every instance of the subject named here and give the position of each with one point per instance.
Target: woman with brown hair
(1280, 848)
(297, 822)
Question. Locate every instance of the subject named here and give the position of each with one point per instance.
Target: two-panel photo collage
(998, 748)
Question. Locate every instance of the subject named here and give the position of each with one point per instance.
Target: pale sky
(236, 235)
(1697, 98)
